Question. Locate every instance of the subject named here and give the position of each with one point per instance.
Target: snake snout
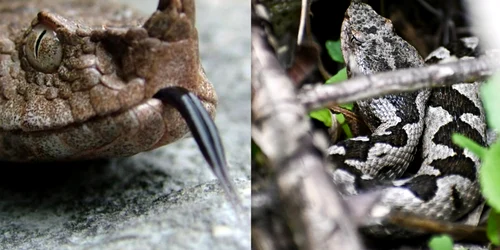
(173, 21)
(184, 6)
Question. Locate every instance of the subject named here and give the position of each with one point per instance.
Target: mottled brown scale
(98, 101)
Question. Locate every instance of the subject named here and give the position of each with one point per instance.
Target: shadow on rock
(40, 177)
(77, 185)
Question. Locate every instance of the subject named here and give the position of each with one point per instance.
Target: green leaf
(347, 130)
(254, 149)
(489, 96)
(258, 158)
(340, 76)
(441, 242)
(322, 115)
(343, 124)
(492, 227)
(334, 50)
(347, 106)
(469, 144)
(340, 118)
(489, 176)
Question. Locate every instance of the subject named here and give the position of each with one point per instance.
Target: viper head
(115, 69)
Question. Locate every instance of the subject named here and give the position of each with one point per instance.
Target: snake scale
(409, 156)
(95, 79)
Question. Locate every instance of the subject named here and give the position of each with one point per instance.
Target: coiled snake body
(408, 129)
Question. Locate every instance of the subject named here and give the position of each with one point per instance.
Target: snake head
(369, 43)
(105, 86)
(100, 68)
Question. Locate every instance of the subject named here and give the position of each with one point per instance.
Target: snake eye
(357, 37)
(43, 49)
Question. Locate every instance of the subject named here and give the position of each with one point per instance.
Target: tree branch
(280, 126)
(404, 80)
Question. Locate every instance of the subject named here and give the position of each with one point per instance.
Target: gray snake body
(444, 184)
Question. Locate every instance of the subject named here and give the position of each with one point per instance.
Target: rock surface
(166, 198)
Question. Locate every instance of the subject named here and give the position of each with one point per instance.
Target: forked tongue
(205, 133)
(200, 123)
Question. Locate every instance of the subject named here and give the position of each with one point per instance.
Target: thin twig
(404, 80)
(455, 230)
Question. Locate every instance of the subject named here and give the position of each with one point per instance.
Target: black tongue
(204, 132)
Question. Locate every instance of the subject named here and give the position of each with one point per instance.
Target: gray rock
(166, 198)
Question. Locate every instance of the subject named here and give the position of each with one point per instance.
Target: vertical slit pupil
(38, 41)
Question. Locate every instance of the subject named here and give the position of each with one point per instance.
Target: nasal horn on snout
(173, 21)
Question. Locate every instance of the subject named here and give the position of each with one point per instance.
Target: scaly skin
(97, 102)
(370, 45)
(442, 182)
